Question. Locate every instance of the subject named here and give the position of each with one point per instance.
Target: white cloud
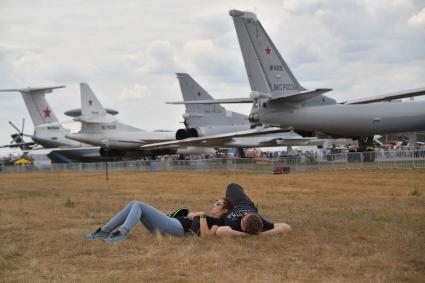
(136, 92)
(158, 58)
(207, 57)
(418, 19)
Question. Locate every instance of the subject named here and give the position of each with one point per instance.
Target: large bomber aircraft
(279, 100)
(117, 139)
(49, 133)
(204, 121)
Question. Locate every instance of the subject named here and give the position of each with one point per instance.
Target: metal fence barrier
(301, 163)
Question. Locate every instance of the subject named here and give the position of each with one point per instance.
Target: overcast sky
(129, 51)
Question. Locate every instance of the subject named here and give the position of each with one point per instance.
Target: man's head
(251, 223)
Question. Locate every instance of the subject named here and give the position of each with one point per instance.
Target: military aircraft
(279, 100)
(49, 132)
(215, 126)
(101, 129)
(205, 120)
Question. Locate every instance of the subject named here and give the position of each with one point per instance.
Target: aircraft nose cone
(236, 13)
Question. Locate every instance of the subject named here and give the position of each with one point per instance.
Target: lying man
(244, 220)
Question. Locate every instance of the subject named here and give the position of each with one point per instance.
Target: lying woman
(155, 220)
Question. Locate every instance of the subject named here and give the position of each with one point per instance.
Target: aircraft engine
(209, 131)
(186, 133)
(254, 118)
(192, 133)
(181, 134)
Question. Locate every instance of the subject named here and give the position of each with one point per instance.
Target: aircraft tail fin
(192, 91)
(90, 105)
(38, 108)
(266, 69)
(203, 115)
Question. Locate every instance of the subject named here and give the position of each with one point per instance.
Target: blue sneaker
(116, 237)
(98, 234)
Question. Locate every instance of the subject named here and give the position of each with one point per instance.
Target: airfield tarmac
(362, 226)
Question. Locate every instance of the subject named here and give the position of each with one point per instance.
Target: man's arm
(226, 231)
(279, 229)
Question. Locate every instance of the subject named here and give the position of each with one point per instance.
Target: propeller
(17, 138)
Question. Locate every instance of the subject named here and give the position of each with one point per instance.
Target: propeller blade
(13, 125)
(15, 137)
(23, 125)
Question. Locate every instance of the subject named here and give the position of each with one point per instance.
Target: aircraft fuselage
(131, 140)
(341, 120)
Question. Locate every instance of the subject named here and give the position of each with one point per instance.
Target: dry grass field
(356, 226)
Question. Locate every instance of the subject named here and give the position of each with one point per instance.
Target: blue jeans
(153, 219)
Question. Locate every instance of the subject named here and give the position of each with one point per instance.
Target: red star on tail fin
(47, 112)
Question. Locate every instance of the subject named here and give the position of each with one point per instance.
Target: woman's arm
(192, 215)
(204, 231)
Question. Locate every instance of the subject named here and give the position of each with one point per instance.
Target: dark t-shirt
(193, 226)
(186, 222)
(244, 206)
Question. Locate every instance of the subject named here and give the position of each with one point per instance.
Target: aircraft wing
(215, 101)
(138, 141)
(388, 97)
(295, 97)
(211, 141)
(279, 139)
(33, 89)
(18, 144)
(302, 95)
